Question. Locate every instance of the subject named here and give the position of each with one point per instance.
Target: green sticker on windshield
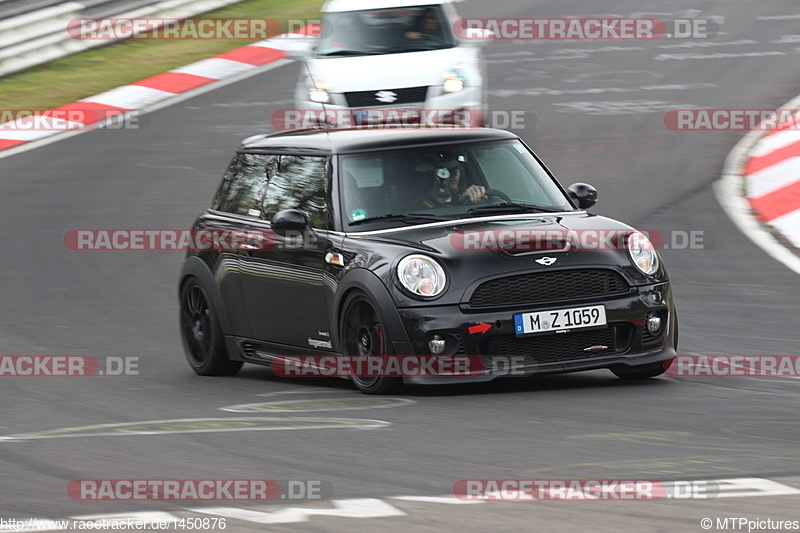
(358, 214)
(520, 148)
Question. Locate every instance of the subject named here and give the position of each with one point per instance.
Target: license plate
(560, 319)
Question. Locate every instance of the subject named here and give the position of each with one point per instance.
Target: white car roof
(358, 5)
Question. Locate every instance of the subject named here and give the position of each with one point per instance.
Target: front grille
(548, 286)
(409, 95)
(560, 347)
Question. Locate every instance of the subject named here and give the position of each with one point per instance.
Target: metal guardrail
(37, 32)
(15, 8)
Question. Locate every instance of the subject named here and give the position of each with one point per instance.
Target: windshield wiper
(515, 207)
(401, 216)
(348, 53)
(417, 48)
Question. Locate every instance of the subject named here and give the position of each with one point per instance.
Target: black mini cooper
(428, 243)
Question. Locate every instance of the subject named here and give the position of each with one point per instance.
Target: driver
(426, 27)
(447, 186)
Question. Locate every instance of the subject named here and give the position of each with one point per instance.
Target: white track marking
(130, 97)
(215, 68)
(789, 226)
(751, 486)
(773, 178)
(774, 142)
(254, 407)
(447, 500)
(155, 107)
(730, 190)
(357, 508)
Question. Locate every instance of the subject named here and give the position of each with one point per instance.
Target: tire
(201, 334)
(363, 334)
(642, 371)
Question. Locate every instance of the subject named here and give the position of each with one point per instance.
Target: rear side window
(298, 182)
(243, 186)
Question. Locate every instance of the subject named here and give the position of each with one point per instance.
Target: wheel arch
(363, 280)
(195, 267)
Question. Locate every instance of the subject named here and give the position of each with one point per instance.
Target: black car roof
(357, 140)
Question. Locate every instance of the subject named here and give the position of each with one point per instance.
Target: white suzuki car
(378, 60)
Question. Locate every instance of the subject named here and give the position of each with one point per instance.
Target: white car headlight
(642, 253)
(421, 275)
(453, 81)
(318, 92)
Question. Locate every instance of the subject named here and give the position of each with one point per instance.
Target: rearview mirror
(583, 194)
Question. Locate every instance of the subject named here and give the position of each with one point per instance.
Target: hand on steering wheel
(498, 194)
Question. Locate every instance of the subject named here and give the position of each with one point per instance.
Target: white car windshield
(385, 31)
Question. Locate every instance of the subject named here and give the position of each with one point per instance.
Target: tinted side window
(243, 185)
(298, 182)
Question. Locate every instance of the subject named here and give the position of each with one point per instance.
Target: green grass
(79, 76)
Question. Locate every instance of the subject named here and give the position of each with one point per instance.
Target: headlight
(453, 81)
(318, 92)
(643, 253)
(421, 275)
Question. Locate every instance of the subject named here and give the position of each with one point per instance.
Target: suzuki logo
(546, 261)
(387, 97)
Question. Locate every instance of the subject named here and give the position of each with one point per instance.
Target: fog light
(437, 345)
(653, 324)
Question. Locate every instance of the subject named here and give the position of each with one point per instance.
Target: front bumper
(623, 342)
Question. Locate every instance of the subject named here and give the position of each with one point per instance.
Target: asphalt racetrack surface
(594, 113)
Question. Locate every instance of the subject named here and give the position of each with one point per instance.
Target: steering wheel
(498, 194)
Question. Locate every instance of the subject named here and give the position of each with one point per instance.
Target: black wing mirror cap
(289, 220)
(583, 194)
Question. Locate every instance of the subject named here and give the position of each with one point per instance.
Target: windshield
(417, 185)
(385, 31)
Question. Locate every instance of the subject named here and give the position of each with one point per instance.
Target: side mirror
(297, 48)
(474, 36)
(289, 220)
(583, 194)
(294, 230)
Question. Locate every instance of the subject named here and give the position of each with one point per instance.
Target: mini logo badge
(387, 97)
(547, 261)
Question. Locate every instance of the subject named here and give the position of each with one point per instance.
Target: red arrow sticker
(480, 328)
